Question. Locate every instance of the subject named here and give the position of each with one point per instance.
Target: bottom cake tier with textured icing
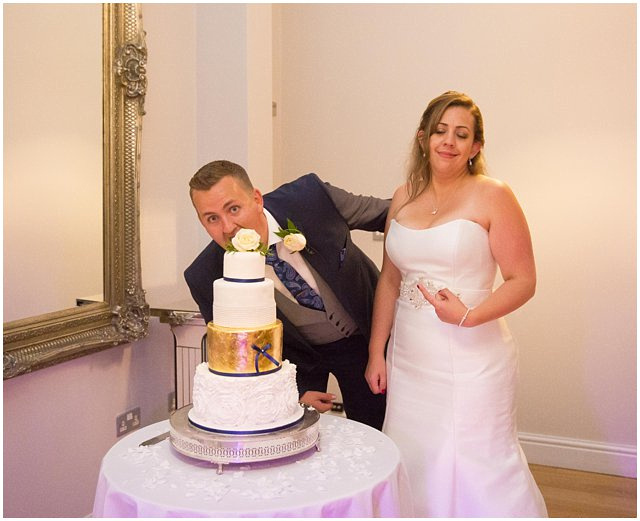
(245, 404)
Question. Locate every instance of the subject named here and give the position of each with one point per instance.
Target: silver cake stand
(222, 449)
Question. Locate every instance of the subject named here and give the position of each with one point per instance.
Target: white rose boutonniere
(294, 242)
(292, 237)
(246, 240)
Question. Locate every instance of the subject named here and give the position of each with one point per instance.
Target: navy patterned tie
(297, 286)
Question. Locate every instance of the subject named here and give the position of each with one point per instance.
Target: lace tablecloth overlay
(357, 473)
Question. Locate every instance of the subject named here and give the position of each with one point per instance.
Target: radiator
(189, 341)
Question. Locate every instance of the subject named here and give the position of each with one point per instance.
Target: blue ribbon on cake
(229, 279)
(262, 351)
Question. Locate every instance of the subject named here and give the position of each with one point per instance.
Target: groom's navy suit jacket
(350, 274)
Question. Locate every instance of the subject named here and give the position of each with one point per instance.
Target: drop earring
(470, 163)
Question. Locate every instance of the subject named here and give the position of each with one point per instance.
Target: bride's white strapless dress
(451, 390)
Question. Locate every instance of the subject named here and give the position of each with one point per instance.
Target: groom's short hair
(211, 173)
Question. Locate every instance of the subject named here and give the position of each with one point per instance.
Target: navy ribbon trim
(229, 279)
(260, 431)
(220, 373)
(263, 351)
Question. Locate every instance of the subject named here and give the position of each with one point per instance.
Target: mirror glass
(52, 157)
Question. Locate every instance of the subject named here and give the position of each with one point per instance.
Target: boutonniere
(292, 237)
(247, 240)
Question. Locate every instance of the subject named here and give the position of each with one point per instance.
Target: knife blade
(155, 439)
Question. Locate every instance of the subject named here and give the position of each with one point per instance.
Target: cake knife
(155, 439)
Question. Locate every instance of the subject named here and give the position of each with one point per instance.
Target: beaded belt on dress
(410, 293)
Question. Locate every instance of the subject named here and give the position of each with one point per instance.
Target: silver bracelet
(464, 317)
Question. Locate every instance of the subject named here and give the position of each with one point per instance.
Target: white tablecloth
(357, 473)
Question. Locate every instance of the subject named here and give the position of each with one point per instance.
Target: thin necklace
(437, 206)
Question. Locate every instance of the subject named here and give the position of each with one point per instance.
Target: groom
(333, 338)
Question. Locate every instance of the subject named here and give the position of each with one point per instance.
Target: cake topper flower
(246, 240)
(292, 237)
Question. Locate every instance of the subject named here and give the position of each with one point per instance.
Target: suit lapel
(312, 255)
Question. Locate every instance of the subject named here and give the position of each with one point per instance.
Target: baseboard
(591, 456)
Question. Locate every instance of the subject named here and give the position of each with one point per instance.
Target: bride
(451, 366)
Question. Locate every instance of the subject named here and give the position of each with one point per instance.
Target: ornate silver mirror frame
(41, 341)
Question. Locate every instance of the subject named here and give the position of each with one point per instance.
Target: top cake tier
(245, 265)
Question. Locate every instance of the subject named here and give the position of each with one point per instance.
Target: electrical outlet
(128, 421)
(172, 401)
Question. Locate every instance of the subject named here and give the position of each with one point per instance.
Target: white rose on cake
(246, 240)
(294, 242)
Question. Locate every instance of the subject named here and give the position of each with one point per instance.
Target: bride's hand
(376, 375)
(448, 307)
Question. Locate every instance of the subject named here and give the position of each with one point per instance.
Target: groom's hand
(321, 402)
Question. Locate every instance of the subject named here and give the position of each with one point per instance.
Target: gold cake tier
(235, 351)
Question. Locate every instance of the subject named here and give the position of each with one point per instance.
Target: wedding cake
(245, 387)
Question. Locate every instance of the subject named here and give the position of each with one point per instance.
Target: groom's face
(227, 207)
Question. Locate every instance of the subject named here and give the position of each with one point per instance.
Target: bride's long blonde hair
(419, 170)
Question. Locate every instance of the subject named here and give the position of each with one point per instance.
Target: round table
(356, 473)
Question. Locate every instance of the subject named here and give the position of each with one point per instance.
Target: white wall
(169, 151)
(209, 97)
(556, 84)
